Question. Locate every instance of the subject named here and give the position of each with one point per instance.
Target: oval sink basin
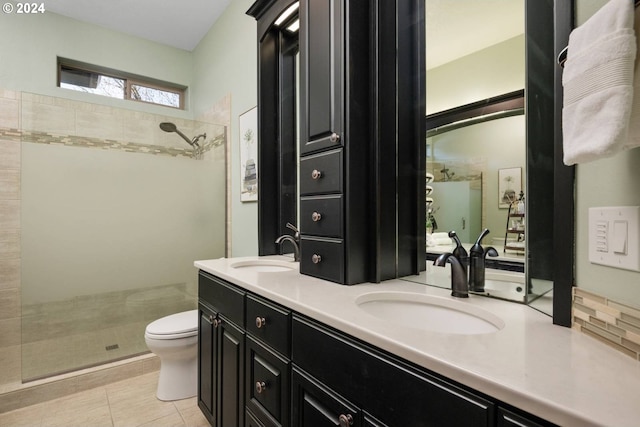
(429, 313)
(265, 265)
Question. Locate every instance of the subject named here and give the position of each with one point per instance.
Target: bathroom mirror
(517, 59)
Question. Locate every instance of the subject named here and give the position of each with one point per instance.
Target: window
(100, 81)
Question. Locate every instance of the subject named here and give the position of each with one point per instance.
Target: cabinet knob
(216, 322)
(316, 174)
(345, 420)
(334, 137)
(316, 216)
(260, 322)
(210, 318)
(260, 386)
(316, 259)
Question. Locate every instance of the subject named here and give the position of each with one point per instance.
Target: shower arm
(195, 140)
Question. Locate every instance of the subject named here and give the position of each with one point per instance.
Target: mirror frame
(277, 147)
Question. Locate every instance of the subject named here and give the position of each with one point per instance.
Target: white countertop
(554, 372)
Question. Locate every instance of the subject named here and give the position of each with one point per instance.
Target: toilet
(174, 339)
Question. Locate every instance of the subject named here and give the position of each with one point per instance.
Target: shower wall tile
(10, 333)
(11, 364)
(9, 154)
(10, 113)
(9, 184)
(9, 214)
(48, 118)
(99, 125)
(142, 128)
(10, 273)
(9, 303)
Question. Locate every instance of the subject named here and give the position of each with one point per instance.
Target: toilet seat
(175, 326)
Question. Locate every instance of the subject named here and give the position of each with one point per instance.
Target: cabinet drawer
(321, 173)
(223, 297)
(322, 258)
(395, 393)
(269, 323)
(321, 216)
(267, 387)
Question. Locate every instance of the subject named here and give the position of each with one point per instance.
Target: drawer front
(321, 173)
(223, 297)
(321, 216)
(269, 323)
(267, 387)
(397, 394)
(322, 258)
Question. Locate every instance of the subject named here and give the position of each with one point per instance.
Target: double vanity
(278, 348)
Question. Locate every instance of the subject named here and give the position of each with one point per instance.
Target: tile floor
(128, 403)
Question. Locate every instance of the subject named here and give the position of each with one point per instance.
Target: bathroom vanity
(278, 348)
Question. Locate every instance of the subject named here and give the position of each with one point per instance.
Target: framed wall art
(248, 131)
(509, 186)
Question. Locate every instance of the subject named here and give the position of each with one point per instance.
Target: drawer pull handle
(217, 322)
(260, 322)
(316, 174)
(345, 420)
(316, 259)
(260, 386)
(316, 216)
(334, 137)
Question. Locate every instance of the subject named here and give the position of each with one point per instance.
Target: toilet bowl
(174, 339)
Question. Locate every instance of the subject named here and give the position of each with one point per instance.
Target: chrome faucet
(295, 241)
(477, 265)
(459, 285)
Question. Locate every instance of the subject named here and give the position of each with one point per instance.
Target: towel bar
(562, 57)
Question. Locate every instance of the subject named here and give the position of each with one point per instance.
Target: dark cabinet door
(321, 53)
(206, 363)
(221, 347)
(316, 406)
(230, 374)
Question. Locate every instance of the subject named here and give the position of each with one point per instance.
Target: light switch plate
(614, 237)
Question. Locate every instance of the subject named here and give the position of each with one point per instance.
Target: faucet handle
(295, 230)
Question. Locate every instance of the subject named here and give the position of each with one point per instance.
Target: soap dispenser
(477, 255)
(460, 252)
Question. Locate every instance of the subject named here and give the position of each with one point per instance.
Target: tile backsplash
(610, 322)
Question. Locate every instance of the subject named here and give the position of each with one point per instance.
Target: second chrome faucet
(294, 240)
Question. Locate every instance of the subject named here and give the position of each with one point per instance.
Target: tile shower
(101, 217)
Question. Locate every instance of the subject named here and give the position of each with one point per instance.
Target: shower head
(171, 127)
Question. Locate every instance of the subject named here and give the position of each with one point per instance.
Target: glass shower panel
(108, 243)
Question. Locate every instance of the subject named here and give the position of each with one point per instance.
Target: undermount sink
(430, 313)
(265, 265)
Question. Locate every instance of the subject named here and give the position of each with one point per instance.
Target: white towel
(633, 140)
(598, 84)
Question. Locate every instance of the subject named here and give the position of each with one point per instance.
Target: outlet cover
(614, 237)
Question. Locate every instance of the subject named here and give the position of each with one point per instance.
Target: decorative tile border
(106, 144)
(612, 323)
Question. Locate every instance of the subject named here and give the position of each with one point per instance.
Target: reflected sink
(265, 265)
(429, 313)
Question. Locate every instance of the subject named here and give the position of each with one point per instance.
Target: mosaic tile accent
(616, 325)
(105, 144)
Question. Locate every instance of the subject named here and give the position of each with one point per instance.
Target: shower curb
(39, 391)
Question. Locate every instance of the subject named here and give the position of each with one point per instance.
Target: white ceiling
(454, 28)
(178, 23)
